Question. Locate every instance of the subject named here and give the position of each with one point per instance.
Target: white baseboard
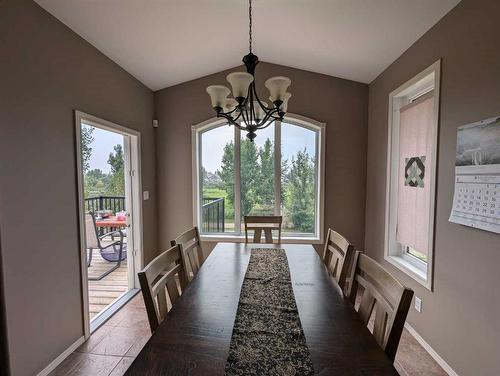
(431, 351)
(61, 357)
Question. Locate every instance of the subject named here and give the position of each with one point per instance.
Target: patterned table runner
(267, 337)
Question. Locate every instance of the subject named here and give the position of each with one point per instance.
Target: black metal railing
(113, 203)
(212, 214)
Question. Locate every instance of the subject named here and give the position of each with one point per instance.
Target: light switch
(145, 195)
(418, 304)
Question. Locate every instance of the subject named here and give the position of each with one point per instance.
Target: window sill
(241, 239)
(419, 274)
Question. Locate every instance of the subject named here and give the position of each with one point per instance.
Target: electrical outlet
(418, 304)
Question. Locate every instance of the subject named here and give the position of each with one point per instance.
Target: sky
(293, 139)
(102, 146)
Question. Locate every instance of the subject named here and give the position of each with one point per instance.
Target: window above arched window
(280, 173)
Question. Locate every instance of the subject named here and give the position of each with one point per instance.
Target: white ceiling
(166, 42)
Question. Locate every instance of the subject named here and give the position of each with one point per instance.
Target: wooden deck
(102, 293)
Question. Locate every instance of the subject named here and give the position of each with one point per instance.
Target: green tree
(300, 188)
(86, 141)
(117, 180)
(226, 174)
(96, 183)
(265, 187)
(204, 175)
(250, 176)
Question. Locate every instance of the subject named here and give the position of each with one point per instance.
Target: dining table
(195, 337)
(112, 221)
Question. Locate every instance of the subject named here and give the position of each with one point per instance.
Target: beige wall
(340, 103)
(460, 318)
(47, 71)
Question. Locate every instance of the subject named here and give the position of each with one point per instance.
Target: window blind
(416, 135)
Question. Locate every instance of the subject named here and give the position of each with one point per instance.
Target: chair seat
(112, 254)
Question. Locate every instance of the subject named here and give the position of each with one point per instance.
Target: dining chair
(337, 257)
(114, 252)
(266, 224)
(191, 250)
(158, 282)
(384, 293)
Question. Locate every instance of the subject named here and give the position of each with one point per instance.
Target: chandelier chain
(250, 24)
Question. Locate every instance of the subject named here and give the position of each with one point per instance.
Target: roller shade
(416, 135)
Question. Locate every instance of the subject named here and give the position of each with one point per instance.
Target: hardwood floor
(103, 292)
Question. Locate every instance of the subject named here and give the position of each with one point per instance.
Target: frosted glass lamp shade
(240, 81)
(230, 105)
(277, 87)
(259, 111)
(218, 95)
(284, 105)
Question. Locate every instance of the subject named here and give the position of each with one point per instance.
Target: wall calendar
(476, 202)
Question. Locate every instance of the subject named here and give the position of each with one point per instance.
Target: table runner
(267, 336)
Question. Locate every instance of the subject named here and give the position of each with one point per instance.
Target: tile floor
(113, 347)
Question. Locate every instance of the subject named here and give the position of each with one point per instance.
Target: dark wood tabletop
(194, 338)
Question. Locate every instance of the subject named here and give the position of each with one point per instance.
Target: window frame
(394, 252)
(293, 119)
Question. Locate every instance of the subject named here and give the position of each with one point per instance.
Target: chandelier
(245, 110)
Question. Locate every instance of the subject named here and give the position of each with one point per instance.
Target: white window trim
(394, 253)
(294, 119)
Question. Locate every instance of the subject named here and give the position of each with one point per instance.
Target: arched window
(280, 173)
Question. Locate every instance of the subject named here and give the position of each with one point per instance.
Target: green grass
(214, 193)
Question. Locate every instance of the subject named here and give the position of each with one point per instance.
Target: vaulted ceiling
(166, 42)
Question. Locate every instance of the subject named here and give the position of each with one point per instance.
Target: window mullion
(277, 168)
(237, 181)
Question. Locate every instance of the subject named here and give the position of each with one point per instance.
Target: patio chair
(114, 252)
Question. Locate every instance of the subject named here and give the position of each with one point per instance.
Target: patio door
(108, 161)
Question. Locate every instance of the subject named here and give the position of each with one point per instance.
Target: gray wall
(460, 318)
(47, 71)
(4, 356)
(340, 103)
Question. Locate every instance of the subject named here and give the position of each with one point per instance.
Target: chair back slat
(263, 224)
(192, 251)
(91, 232)
(383, 294)
(159, 282)
(337, 256)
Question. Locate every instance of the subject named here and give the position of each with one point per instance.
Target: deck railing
(113, 203)
(212, 214)
(212, 210)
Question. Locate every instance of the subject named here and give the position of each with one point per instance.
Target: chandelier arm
(245, 120)
(266, 118)
(251, 110)
(229, 113)
(237, 117)
(258, 99)
(227, 117)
